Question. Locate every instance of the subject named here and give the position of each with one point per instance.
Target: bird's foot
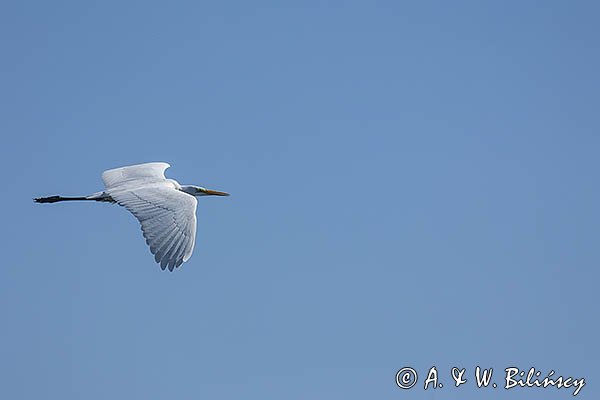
(51, 199)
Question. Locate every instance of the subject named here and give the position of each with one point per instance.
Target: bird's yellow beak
(209, 192)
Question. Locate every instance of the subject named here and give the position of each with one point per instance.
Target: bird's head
(200, 191)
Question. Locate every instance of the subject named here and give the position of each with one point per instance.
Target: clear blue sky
(413, 184)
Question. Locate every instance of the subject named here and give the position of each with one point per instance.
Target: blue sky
(413, 184)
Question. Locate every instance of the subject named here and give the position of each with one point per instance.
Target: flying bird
(165, 209)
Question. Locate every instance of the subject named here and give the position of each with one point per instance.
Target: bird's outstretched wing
(167, 215)
(134, 175)
(168, 219)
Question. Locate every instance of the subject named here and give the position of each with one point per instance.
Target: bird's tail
(100, 196)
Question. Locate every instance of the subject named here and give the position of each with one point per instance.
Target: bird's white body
(167, 215)
(165, 209)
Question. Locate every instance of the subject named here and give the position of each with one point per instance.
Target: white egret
(165, 209)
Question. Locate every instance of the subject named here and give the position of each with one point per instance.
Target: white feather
(166, 214)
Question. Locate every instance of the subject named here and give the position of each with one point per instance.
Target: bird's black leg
(54, 199)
